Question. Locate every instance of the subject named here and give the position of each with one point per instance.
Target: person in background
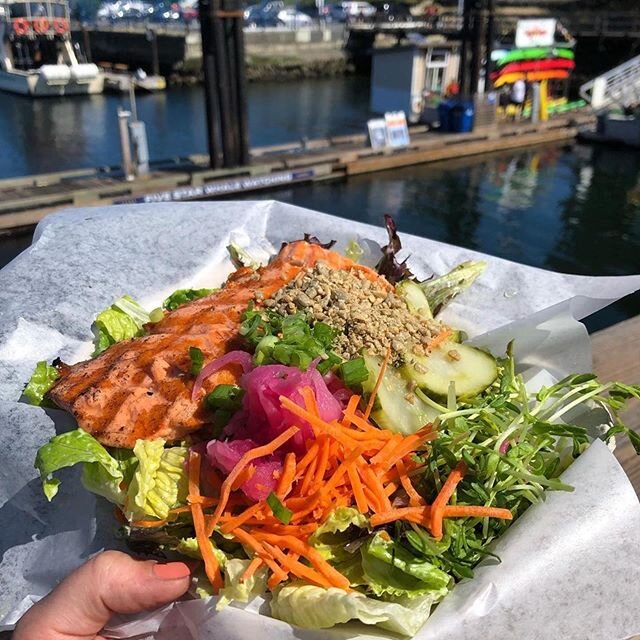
(453, 89)
(518, 94)
(111, 582)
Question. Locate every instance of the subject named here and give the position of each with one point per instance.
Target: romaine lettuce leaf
(41, 381)
(189, 547)
(318, 608)
(159, 482)
(123, 320)
(182, 296)
(390, 569)
(240, 591)
(68, 449)
(329, 538)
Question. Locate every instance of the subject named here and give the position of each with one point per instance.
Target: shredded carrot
(448, 489)
(203, 501)
(310, 403)
(388, 449)
(440, 338)
(250, 455)
(308, 476)
(315, 558)
(241, 518)
(211, 565)
(335, 479)
(356, 485)
(288, 475)
(297, 568)
(323, 462)
(374, 393)
(311, 454)
(243, 477)
(254, 565)
(464, 511)
(390, 488)
(420, 514)
(149, 524)
(374, 482)
(409, 444)
(350, 411)
(415, 499)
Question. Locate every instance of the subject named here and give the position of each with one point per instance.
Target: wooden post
(222, 78)
(155, 57)
(490, 37)
(476, 51)
(87, 43)
(240, 80)
(463, 73)
(210, 84)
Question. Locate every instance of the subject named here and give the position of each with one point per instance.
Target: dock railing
(620, 86)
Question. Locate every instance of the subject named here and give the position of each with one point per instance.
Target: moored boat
(37, 57)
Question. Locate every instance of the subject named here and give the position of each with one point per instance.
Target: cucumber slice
(414, 298)
(471, 369)
(392, 410)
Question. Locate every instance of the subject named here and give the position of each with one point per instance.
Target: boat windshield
(32, 10)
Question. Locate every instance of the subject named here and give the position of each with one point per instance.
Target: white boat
(37, 57)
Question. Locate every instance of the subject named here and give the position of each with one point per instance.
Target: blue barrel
(444, 115)
(461, 118)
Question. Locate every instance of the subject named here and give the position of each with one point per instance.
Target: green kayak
(534, 53)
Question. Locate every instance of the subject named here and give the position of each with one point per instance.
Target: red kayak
(549, 64)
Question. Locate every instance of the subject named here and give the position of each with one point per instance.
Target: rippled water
(573, 209)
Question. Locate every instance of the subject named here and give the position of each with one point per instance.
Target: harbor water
(567, 208)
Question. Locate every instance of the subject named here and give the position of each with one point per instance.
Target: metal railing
(620, 86)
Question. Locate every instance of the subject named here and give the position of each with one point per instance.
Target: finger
(111, 582)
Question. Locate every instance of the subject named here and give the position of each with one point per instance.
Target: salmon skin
(141, 388)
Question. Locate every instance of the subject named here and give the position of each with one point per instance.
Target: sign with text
(397, 130)
(535, 33)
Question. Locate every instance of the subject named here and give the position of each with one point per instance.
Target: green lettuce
(41, 381)
(182, 296)
(189, 547)
(123, 320)
(330, 539)
(103, 473)
(390, 569)
(159, 482)
(314, 607)
(241, 591)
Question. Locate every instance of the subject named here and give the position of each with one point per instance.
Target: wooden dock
(25, 201)
(615, 357)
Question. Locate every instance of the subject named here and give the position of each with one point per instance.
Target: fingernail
(171, 571)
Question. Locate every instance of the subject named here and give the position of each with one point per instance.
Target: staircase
(618, 87)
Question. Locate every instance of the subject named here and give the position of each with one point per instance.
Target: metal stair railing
(620, 85)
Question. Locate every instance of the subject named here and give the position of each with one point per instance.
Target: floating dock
(24, 201)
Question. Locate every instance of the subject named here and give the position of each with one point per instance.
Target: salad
(314, 434)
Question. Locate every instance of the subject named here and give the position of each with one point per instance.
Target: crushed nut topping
(365, 315)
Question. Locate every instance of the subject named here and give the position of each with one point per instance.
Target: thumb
(111, 582)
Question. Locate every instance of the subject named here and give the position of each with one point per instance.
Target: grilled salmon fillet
(142, 388)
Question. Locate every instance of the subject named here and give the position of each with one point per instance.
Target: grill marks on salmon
(141, 388)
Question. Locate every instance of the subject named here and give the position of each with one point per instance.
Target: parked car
(293, 18)
(358, 9)
(392, 12)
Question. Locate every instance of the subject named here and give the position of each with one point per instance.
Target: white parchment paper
(570, 566)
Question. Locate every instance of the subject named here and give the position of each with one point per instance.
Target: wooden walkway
(25, 201)
(616, 356)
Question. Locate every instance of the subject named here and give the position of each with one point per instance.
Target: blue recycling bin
(444, 115)
(461, 117)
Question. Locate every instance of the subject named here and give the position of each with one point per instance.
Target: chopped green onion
(279, 510)
(197, 360)
(354, 251)
(156, 315)
(354, 372)
(226, 396)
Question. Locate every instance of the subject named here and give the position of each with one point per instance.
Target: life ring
(41, 25)
(60, 26)
(21, 26)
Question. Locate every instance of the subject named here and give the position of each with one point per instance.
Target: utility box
(409, 78)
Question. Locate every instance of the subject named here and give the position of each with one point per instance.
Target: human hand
(111, 582)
